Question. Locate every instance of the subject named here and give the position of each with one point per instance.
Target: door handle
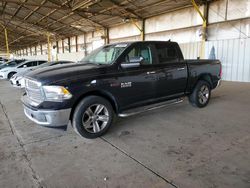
(152, 72)
(179, 69)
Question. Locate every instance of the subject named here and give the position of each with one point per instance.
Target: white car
(3, 60)
(18, 80)
(8, 72)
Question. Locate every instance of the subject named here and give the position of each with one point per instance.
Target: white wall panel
(174, 20)
(190, 50)
(74, 56)
(126, 39)
(235, 57)
(236, 9)
(124, 30)
(233, 53)
(182, 36)
(229, 30)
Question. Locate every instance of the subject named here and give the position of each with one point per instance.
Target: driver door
(137, 84)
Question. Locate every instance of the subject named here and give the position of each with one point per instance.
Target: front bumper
(44, 117)
(48, 118)
(19, 83)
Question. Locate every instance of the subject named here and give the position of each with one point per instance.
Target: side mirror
(129, 65)
(133, 62)
(24, 66)
(138, 59)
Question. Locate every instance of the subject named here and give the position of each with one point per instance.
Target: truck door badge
(126, 84)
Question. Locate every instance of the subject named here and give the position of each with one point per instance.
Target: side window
(166, 52)
(143, 51)
(22, 66)
(31, 64)
(41, 62)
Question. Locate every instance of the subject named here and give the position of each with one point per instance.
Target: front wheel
(201, 94)
(92, 117)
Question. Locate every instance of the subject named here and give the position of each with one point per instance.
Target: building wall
(229, 23)
(235, 57)
(233, 54)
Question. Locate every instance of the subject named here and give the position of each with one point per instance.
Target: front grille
(33, 90)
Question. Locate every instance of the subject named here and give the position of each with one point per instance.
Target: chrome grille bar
(33, 90)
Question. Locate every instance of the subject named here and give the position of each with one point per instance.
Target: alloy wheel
(203, 94)
(95, 118)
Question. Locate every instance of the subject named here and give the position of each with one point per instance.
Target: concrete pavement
(180, 146)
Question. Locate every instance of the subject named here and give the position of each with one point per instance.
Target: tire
(201, 94)
(92, 117)
(10, 75)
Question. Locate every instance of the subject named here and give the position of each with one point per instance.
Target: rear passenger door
(171, 70)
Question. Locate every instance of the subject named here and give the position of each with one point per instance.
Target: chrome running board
(139, 110)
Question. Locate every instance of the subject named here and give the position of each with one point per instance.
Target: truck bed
(198, 68)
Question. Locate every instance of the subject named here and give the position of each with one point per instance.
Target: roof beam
(51, 12)
(4, 6)
(30, 25)
(18, 27)
(79, 13)
(16, 12)
(126, 10)
(31, 4)
(54, 20)
(35, 9)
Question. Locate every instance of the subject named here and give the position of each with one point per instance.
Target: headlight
(56, 93)
(4, 70)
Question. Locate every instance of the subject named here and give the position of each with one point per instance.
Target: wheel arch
(10, 73)
(206, 77)
(106, 95)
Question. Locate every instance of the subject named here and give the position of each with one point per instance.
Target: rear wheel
(11, 74)
(92, 117)
(201, 94)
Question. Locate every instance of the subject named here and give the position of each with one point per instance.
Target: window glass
(140, 51)
(105, 54)
(31, 64)
(41, 62)
(166, 52)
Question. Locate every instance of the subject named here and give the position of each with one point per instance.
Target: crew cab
(120, 79)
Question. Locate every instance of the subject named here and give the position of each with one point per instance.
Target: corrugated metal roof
(27, 21)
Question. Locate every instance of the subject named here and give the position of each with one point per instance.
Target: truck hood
(56, 74)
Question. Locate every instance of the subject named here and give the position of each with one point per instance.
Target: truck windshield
(105, 54)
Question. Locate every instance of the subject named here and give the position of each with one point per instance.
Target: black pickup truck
(118, 79)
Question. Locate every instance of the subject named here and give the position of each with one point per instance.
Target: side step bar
(150, 107)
